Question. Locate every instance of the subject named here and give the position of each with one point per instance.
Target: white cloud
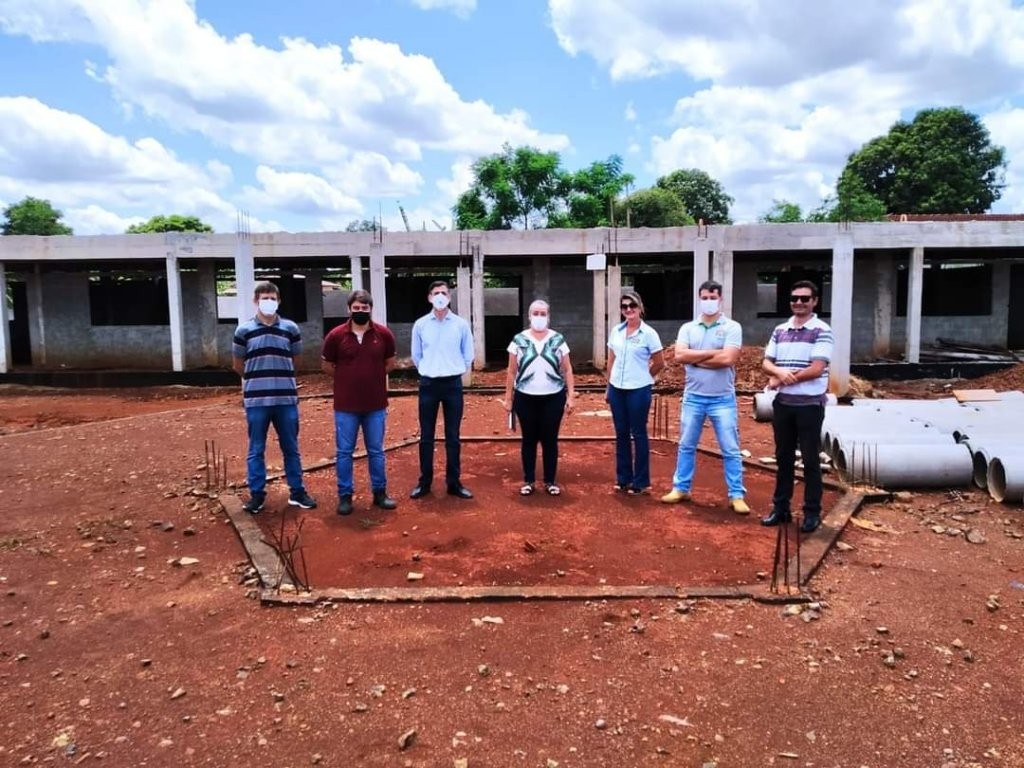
(788, 91)
(95, 220)
(461, 8)
(1006, 128)
(301, 104)
(630, 113)
(459, 181)
(370, 174)
(304, 194)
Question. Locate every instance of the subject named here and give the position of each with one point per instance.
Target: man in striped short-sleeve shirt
(796, 361)
(264, 352)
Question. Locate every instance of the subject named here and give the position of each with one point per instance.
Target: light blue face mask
(268, 307)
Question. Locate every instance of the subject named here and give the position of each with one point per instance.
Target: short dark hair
(710, 285)
(437, 284)
(265, 286)
(363, 297)
(805, 284)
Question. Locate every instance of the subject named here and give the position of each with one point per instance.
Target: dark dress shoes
(345, 504)
(810, 523)
(382, 500)
(419, 492)
(776, 518)
(461, 491)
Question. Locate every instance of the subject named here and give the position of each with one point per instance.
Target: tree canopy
(590, 195)
(515, 187)
(943, 161)
(33, 216)
(173, 223)
(702, 195)
(852, 202)
(782, 212)
(361, 225)
(655, 207)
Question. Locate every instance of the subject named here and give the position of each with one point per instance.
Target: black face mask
(360, 318)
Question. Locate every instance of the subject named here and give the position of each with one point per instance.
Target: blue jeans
(285, 419)
(630, 408)
(722, 411)
(346, 429)
(446, 392)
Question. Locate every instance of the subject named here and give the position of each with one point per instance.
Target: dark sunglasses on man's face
(627, 305)
(796, 299)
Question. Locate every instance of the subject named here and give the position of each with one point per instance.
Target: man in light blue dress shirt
(442, 351)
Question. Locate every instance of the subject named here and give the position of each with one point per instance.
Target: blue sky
(309, 114)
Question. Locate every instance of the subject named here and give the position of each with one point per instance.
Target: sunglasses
(627, 305)
(795, 299)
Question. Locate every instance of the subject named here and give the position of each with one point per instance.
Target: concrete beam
(701, 270)
(477, 300)
(723, 270)
(377, 285)
(884, 281)
(842, 314)
(355, 265)
(176, 314)
(5, 324)
(915, 288)
(245, 277)
(37, 316)
(208, 312)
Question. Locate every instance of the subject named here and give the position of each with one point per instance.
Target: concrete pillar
(463, 307)
(245, 278)
(36, 316)
(915, 286)
(208, 325)
(477, 300)
(842, 314)
(701, 271)
(176, 315)
(5, 324)
(356, 268)
(377, 285)
(541, 280)
(599, 329)
(614, 294)
(884, 277)
(723, 273)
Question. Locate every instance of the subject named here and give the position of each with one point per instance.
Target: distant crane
(405, 219)
(440, 227)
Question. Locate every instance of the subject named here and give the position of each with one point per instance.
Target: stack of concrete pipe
(926, 443)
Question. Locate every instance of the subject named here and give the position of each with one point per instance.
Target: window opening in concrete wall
(128, 298)
(774, 285)
(407, 293)
(292, 287)
(667, 290)
(949, 289)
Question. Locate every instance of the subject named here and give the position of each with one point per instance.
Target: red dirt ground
(112, 654)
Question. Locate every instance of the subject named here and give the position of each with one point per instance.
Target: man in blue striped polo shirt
(796, 361)
(264, 352)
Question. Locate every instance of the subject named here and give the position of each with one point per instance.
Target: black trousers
(795, 425)
(540, 418)
(444, 392)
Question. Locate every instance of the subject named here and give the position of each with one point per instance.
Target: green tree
(702, 195)
(943, 161)
(361, 225)
(521, 187)
(655, 207)
(591, 194)
(782, 212)
(173, 223)
(33, 216)
(852, 202)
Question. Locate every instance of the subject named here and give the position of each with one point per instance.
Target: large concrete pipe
(983, 451)
(1006, 478)
(763, 403)
(848, 440)
(910, 465)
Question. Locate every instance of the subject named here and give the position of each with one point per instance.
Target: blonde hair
(634, 296)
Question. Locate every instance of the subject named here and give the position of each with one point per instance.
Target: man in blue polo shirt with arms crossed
(710, 348)
(264, 352)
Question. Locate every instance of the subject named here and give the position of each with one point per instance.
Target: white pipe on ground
(910, 465)
(1006, 478)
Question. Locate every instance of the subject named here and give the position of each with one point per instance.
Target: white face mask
(539, 322)
(440, 301)
(268, 307)
(709, 306)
